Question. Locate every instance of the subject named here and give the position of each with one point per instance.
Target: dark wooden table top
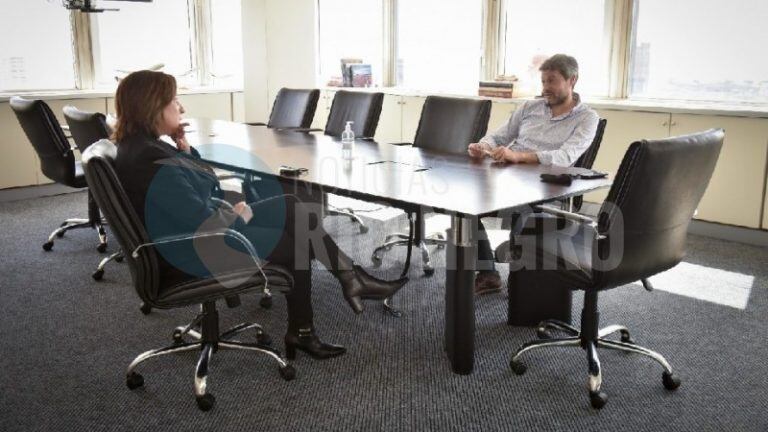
(382, 172)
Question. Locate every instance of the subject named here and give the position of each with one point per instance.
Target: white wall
(279, 43)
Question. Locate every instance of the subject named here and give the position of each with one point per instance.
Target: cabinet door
(390, 121)
(735, 193)
(57, 106)
(323, 109)
(765, 207)
(411, 106)
(19, 163)
(238, 107)
(624, 128)
(217, 106)
(500, 114)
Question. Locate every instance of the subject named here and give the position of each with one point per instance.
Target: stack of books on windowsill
(501, 87)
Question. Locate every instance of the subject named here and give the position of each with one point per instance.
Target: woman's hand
(180, 138)
(243, 210)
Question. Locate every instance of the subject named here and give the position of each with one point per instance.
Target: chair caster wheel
(97, 275)
(429, 271)
(145, 308)
(597, 399)
(287, 372)
(47, 246)
(376, 260)
(363, 229)
(670, 380)
(205, 402)
(262, 338)
(134, 380)
(177, 337)
(119, 258)
(265, 302)
(60, 234)
(626, 338)
(518, 367)
(102, 247)
(543, 333)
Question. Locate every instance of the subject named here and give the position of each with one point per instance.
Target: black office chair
(448, 125)
(233, 276)
(86, 128)
(57, 162)
(292, 108)
(640, 232)
(363, 110)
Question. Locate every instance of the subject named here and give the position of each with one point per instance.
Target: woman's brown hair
(139, 102)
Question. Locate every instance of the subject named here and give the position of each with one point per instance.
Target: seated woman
(174, 192)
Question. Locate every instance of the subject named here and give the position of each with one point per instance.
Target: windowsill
(649, 105)
(103, 92)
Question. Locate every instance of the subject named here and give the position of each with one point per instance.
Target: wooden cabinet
(500, 114)
(323, 109)
(238, 107)
(735, 193)
(765, 207)
(411, 110)
(19, 163)
(390, 125)
(624, 128)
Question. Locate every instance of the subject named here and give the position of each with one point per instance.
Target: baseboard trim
(750, 236)
(31, 192)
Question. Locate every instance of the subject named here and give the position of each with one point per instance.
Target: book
(346, 75)
(361, 75)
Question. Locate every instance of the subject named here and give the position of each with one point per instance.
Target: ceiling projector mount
(87, 6)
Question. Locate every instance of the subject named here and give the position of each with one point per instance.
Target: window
(438, 45)
(700, 50)
(36, 54)
(227, 45)
(533, 30)
(140, 36)
(350, 30)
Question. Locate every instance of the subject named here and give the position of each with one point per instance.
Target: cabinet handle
(665, 124)
(674, 123)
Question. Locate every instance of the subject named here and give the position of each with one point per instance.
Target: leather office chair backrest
(363, 109)
(650, 205)
(587, 159)
(44, 132)
(293, 108)
(451, 124)
(123, 220)
(86, 127)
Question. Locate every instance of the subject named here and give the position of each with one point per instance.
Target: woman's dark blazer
(174, 193)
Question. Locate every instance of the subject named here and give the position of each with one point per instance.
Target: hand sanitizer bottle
(347, 142)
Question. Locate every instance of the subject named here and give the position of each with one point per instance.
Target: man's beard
(557, 102)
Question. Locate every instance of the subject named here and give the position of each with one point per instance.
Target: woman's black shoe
(306, 340)
(358, 285)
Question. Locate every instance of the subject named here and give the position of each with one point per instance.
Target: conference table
(399, 176)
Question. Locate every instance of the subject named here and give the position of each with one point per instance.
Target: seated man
(553, 130)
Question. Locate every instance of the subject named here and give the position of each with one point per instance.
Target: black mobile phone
(291, 171)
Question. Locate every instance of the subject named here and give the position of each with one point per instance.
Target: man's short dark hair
(565, 64)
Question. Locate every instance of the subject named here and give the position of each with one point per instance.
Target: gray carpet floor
(65, 341)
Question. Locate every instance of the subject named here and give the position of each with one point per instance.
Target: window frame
(201, 46)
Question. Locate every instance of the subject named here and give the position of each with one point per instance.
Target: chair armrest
(402, 144)
(225, 232)
(256, 124)
(581, 219)
(223, 203)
